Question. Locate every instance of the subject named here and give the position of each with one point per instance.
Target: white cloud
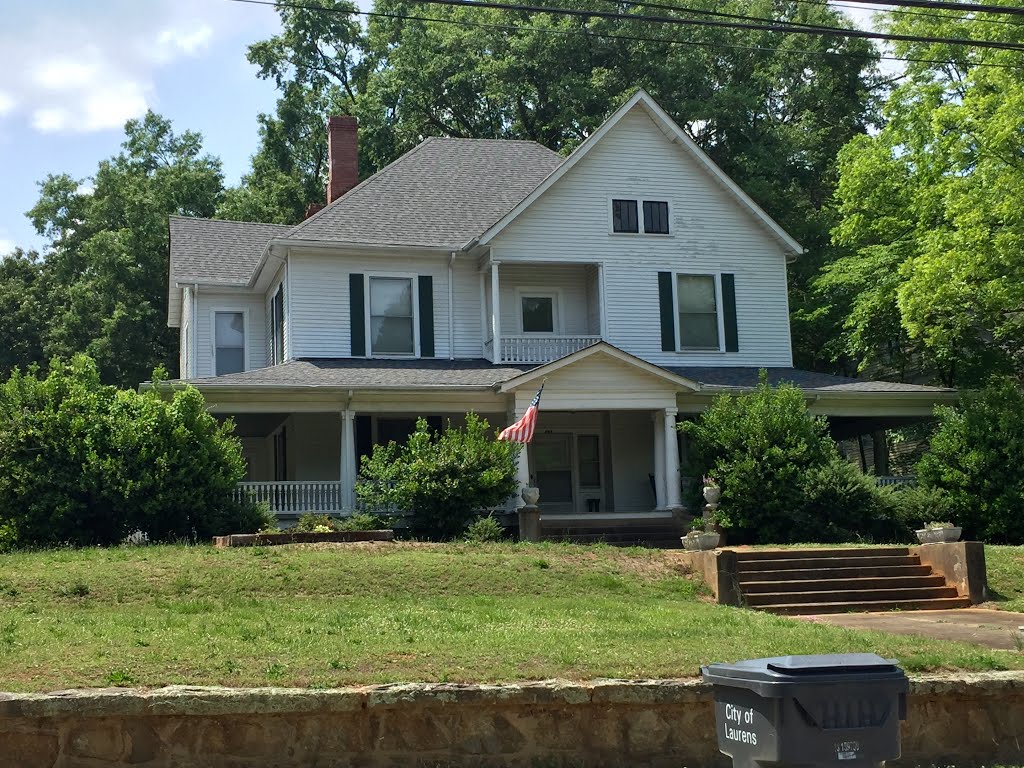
(104, 69)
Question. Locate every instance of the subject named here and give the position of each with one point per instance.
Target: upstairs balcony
(539, 312)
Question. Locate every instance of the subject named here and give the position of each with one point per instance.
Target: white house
(633, 275)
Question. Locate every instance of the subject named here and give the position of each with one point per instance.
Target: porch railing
(294, 495)
(542, 349)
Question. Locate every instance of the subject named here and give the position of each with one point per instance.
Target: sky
(73, 71)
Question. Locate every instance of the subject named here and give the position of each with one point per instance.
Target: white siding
(710, 232)
(319, 314)
(185, 334)
(255, 331)
(570, 280)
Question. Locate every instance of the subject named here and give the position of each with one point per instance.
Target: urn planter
(712, 494)
(531, 495)
(701, 541)
(938, 535)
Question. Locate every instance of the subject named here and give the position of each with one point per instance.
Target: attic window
(655, 217)
(624, 216)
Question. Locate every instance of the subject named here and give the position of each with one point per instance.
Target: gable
(640, 148)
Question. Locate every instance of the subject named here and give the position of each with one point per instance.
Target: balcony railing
(542, 349)
(898, 481)
(294, 495)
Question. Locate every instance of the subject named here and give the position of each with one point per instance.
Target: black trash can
(832, 710)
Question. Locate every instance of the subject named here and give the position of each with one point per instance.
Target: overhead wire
(590, 33)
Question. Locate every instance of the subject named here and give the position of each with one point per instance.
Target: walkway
(981, 626)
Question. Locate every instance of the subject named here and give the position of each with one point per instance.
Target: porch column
(522, 464)
(659, 463)
(348, 460)
(495, 312)
(672, 491)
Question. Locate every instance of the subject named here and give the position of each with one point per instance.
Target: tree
(84, 463)
(975, 458)
(23, 310)
(107, 260)
(932, 213)
(441, 479)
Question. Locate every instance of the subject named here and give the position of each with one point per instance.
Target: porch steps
(823, 580)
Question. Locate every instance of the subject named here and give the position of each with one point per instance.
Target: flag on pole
(522, 430)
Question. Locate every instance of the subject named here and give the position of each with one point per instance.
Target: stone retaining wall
(966, 720)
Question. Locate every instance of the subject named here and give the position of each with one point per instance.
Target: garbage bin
(831, 710)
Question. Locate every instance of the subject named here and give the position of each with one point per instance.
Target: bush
(311, 522)
(361, 521)
(915, 506)
(484, 529)
(976, 457)
(440, 479)
(82, 463)
(782, 477)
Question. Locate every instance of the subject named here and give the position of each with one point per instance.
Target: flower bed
(299, 537)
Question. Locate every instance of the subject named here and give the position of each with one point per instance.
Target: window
(697, 304)
(277, 326)
(624, 217)
(229, 342)
(655, 217)
(538, 314)
(392, 326)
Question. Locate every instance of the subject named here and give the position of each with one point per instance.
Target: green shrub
(363, 521)
(976, 457)
(82, 463)
(915, 506)
(312, 522)
(781, 474)
(441, 479)
(484, 529)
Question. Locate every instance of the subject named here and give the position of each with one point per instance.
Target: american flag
(522, 430)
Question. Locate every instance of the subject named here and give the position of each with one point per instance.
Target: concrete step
(843, 585)
(805, 609)
(814, 553)
(749, 566)
(807, 574)
(849, 596)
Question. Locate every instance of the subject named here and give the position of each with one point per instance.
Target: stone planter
(712, 494)
(938, 535)
(701, 541)
(531, 495)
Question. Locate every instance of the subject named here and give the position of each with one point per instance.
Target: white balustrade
(294, 496)
(884, 481)
(542, 349)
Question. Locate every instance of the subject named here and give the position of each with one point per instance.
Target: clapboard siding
(570, 280)
(320, 325)
(256, 329)
(710, 232)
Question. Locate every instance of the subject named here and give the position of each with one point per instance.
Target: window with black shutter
(624, 216)
(655, 217)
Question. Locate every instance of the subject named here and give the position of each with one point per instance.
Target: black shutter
(732, 338)
(357, 314)
(668, 319)
(426, 291)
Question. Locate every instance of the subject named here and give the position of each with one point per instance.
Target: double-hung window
(697, 305)
(629, 213)
(229, 342)
(392, 316)
(538, 310)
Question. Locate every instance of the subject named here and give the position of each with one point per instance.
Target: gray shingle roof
(443, 193)
(369, 373)
(747, 377)
(217, 251)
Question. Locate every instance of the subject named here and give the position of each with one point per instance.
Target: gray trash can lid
(789, 670)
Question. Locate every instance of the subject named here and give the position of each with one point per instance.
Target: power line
(910, 13)
(1012, 10)
(784, 28)
(603, 35)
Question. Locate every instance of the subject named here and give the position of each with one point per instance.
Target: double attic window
(626, 216)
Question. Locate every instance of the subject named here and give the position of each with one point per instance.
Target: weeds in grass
(7, 589)
(541, 563)
(8, 634)
(183, 584)
(1018, 639)
(275, 671)
(76, 588)
(120, 677)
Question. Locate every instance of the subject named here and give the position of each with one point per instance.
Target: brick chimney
(342, 155)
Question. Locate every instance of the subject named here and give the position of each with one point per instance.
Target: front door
(552, 465)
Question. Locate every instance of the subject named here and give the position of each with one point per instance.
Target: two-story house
(633, 275)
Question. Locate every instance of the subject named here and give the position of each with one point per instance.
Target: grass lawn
(1005, 566)
(328, 615)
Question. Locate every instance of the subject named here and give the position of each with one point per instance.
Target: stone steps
(834, 580)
